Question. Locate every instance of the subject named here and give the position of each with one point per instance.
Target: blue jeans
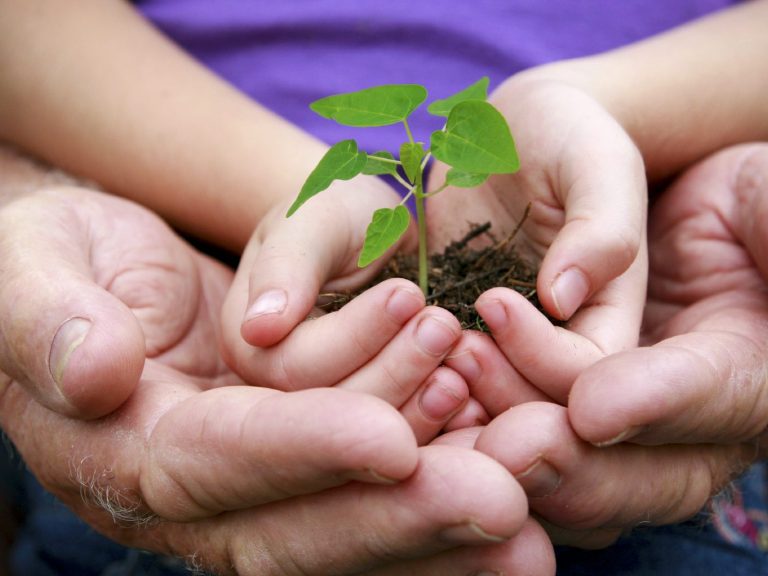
(729, 539)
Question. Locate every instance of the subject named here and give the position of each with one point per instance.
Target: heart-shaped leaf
(477, 91)
(377, 106)
(386, 228)
(343, 161)
(477, 140)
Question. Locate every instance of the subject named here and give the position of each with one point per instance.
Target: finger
(237, 447)
(704, 386)
(73, 345)
(493, 381)
(427, 412)
(325, 350)
(530, 342)
(471, 414)
(293, 260)
(455, 498)
(604, 225)
(405, 362)
(529, 552)
(578, 486)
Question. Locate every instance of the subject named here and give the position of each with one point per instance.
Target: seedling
(475, 142)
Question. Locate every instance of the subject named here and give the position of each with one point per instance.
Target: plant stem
(421, 222)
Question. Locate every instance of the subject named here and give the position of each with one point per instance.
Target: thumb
(75, 347)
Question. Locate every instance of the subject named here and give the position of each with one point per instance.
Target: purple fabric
(288, 53)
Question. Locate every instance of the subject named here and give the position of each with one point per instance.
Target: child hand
(385, 341)
(584, 181)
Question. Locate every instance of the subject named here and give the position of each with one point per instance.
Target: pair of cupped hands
(184, 409)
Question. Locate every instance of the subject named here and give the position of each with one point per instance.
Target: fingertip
(96, 364)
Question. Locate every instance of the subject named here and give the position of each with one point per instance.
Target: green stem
(421, 222)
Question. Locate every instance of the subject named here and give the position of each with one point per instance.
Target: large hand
(585, 184)
(692, 404)
(177, 466)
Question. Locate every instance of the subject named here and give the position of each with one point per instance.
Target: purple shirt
(287, 53)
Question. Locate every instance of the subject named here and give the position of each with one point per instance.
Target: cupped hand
(188, 462)
(584, 181)
(385, 341)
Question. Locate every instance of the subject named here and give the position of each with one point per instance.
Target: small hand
(584, 181)
(384, 342)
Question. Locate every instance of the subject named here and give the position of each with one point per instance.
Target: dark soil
(461, 273)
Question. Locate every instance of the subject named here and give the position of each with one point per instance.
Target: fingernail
(403, 304)
(270, 302)
(434, 336)
(467, 365)
(569, 290)
(370, 475)
(469, 533)
(438, 401)
(68, 337)
(540, 480)
(494, 313)
(625, 435)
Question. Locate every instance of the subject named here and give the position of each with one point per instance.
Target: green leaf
(476, 140)
(386, 228)
(343, 161)
(375, 165)
(477, 91)
(411, 155)
(377, 106)
(464, 179)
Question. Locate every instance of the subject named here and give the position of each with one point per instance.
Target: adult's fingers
(64, 337)
(707, 385)
(582, 488)
(253, 445)
(456, 497)
(529, 552)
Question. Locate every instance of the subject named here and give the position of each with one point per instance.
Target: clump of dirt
(461, 273)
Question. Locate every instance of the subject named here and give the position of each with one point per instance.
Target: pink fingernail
(270, 302)
(434, 336)
(569, 290)
(439, 401)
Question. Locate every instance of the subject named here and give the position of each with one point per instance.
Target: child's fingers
(327, 349)
(604, 228)
(444, 394)
(548, 356)
(409, 358)
(493, 381)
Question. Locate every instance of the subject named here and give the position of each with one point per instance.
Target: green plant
(475, 142)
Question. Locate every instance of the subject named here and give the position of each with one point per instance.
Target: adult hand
(179, 465)
(650, 434)
(584, 181)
